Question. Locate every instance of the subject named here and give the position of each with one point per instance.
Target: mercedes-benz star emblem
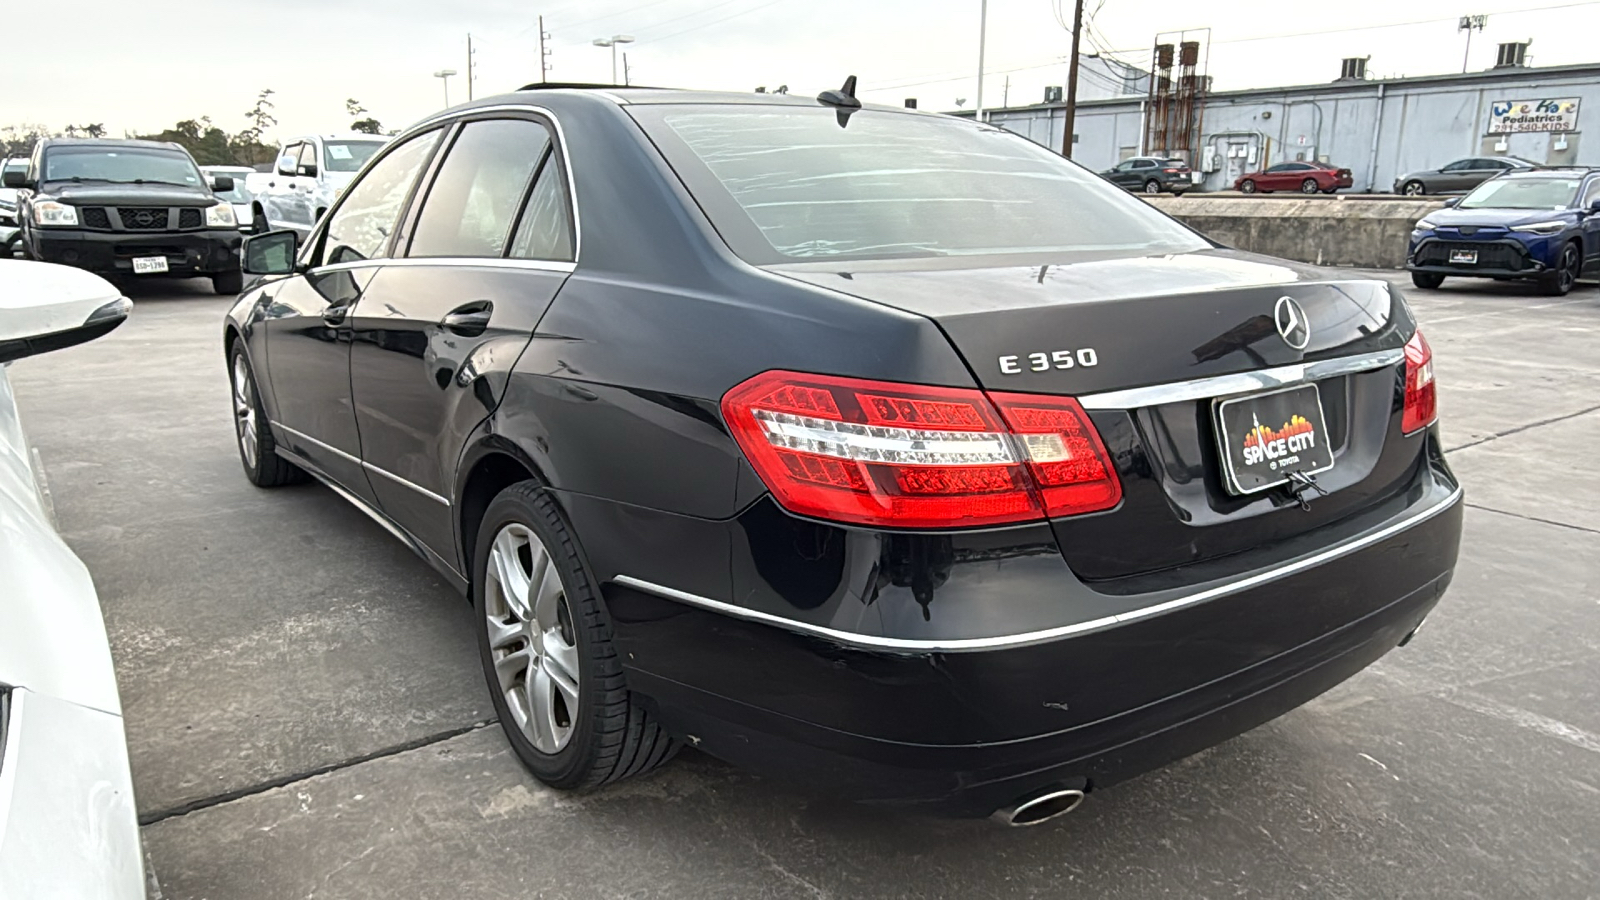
(1292, 324)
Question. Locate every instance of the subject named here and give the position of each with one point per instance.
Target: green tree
(367, 126)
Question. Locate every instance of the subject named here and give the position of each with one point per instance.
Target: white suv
(309, 174)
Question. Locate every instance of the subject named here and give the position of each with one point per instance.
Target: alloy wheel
(531, 638)
(244, 410)
(1150, 187)
(1309, 186)
(1570, 267)
(1413, 189)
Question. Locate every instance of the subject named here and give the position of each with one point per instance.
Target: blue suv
(1540, 223)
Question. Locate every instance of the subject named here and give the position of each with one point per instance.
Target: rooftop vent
(1354, 68)
(1052, 93)
(1512, 55)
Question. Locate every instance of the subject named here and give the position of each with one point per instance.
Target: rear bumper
(964, 731)
(207, 252)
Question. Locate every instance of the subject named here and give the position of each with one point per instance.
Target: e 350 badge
(1046, 360)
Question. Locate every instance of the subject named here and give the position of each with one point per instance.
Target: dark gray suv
(1151, 175)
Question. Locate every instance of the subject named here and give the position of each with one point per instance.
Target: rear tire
(1414, 189)
(1152, 186)
(257, 450)
(1309, 186)
(228, 282)
(1247, 186)
(1428, 281)
(553, 642)
(1560, 281)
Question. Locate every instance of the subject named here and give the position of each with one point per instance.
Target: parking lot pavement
(304, 703)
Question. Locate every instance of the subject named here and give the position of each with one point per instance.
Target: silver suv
(309, 173)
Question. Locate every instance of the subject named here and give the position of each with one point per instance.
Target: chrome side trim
(1239, 382)
(300, 435)
(488, 262)
(958, 645)
(404, 483)
(372, 514)
(366, 465)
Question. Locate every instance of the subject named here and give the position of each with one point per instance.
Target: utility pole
(625, 79)
(470, 66)
(1470, 24)
(983, 26)
(544, 55)
(1072, 82)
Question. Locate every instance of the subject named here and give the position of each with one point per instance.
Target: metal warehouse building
(1379, 129)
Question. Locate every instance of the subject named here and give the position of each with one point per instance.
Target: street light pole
(983, 26)
(612, 42)
(444, 76)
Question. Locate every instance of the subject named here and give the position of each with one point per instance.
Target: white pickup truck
(309, 173)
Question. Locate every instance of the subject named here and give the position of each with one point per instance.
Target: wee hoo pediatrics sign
(1519, 116)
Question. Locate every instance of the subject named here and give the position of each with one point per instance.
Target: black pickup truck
(119, 207)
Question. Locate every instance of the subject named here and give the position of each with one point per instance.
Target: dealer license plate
(1464, 257)
(1267, 436)
(149, 265)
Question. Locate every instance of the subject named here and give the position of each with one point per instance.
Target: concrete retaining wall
(1328, 231)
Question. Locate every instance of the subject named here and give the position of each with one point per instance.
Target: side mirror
(271, 253)
(286, 165)
(15, 179)
(1451, 201)
(46, 307)
(1594, 207)
(308, 171)
(222, 183)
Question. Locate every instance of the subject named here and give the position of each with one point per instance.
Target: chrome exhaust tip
(1039, 808)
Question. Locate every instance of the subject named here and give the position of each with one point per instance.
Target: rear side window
(480, 188)
(361, 224)
(786, 183)
(545, 229)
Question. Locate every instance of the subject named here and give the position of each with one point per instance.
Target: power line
(1319, 33)
(667, 37)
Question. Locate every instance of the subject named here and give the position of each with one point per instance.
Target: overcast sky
(145, 65)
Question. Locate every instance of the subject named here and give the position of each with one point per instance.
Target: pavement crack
(1504, 512)
(1521, 428)
(183, 809)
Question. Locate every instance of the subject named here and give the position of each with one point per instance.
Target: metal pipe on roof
(1377, 130)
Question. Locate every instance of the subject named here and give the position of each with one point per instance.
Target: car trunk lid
(1149, 345)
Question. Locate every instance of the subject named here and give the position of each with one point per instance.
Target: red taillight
(878, 453)
(1172, 171)
(1422, 395)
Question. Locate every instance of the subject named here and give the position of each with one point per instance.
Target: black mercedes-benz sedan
(883, 452)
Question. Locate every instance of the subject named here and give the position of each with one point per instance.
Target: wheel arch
(488, 467)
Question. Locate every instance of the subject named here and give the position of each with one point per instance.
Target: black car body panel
(953, 668)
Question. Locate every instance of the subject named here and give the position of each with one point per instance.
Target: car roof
(1537, 171)
(339, 136)
(112, 143)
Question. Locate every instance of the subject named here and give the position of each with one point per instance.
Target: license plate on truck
(1267, 436)
(1464, 257)
(149, 265)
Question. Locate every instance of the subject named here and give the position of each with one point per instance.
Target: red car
(1305, 177)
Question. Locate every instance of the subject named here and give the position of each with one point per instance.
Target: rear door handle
(470, 319)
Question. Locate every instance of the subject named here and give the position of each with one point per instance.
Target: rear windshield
(1524, 193)
(348, 156)
(123, 165)
(785, 184)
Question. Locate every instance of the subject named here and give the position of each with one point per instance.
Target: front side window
(360, 226)
(348, 156)
(1523, 193)
(123, 165)
(308, 157)
(480, 187)
(788, 183)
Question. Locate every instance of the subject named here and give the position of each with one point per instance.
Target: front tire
(1559, 282)
(1247, 186)
(257, 451)
(544, 638)
(1414, 189)
(1309, 186)
(1428, 281)
(228, 282)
